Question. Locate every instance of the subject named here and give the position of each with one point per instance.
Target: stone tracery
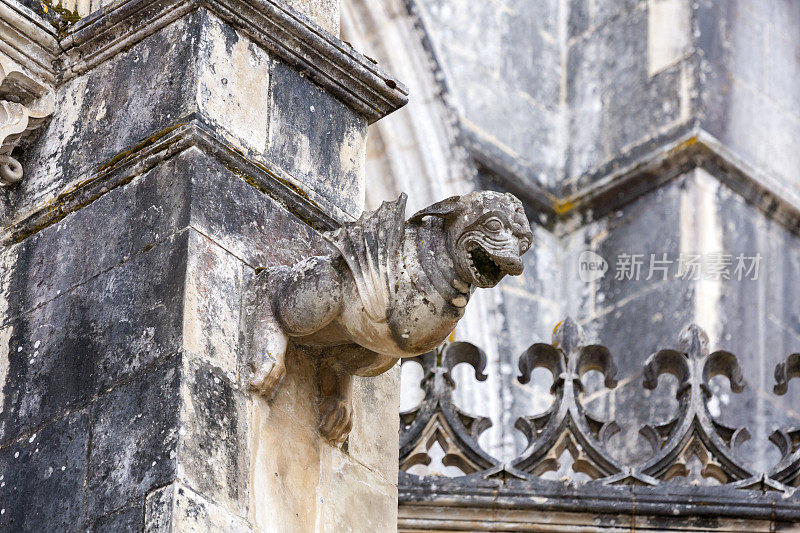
(689, 450)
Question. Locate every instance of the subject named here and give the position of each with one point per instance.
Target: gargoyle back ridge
(370, 246)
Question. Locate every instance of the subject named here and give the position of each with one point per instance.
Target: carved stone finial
(391, 289)
(786, 370)
(24, 105)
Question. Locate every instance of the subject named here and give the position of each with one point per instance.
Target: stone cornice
(28, 40)
(420, 506)
(626, 179)
(694, 149)
(189, 133)
(330, 62)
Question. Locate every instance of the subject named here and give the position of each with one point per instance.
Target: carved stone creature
(394, 289)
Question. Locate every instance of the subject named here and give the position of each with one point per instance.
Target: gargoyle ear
(444, 209)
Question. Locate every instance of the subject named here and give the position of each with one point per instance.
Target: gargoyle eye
(493, 224)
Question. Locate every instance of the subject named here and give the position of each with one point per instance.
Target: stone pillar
(191, 144)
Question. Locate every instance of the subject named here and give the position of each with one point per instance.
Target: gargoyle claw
(268, 378)
(336, 419)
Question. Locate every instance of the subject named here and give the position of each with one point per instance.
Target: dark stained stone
(42, 477)
(316, 138)
(64, 352)
(135, 433)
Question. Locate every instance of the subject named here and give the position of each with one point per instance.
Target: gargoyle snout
(510, 264)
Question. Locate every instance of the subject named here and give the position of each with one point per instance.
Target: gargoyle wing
(371, 247)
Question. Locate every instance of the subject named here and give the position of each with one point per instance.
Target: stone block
(647, 228)
(243, 220)
(285, 452)
(669, 33)
(609, 10)
(298, 481)
(134, 437)
(504, 72)
(529, 57)
(211, 304)
(354, 498)
(316, 139)
(176, 507)
(233, 84)
(517, 124)
(97, 343)
(584, 96)
(129, 519)
(39, 470)
(373, 441)
(212, 451)
(578, 19)
(460, 39)
(746, 40)
(783, 68)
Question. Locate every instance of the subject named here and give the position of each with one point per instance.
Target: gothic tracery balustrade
(692, 468)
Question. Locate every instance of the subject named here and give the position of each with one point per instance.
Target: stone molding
(452, 516)
(329, 61)
(664, 483)
(649, 167)
(27, 49)
(28, 40)
(192, 132)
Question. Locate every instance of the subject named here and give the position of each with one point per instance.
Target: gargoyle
(392, 289)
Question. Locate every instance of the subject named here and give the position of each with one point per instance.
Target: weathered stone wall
(502, 61)
(749, 69)
(630, 81)
(172, 169)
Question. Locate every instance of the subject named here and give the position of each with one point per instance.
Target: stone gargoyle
(392, 289)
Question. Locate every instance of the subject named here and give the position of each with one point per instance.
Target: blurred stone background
(627, 127)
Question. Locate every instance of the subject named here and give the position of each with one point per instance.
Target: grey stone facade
(638, 127)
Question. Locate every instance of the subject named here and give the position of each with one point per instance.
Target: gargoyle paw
(336, 418)
(268, 377)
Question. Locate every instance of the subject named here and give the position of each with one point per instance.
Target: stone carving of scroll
(24, 105)
(390, 289)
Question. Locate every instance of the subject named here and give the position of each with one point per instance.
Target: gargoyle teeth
(460, 286)
(483, 267)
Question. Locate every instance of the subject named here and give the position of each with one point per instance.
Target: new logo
(591, 266)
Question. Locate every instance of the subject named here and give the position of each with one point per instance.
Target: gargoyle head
(487, 232)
